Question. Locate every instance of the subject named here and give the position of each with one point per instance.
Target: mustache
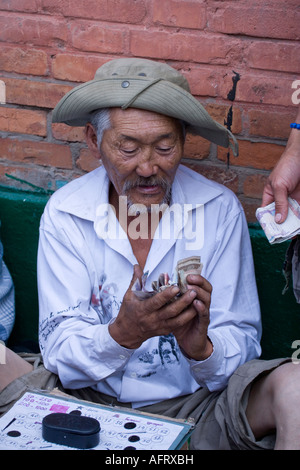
(150, 181)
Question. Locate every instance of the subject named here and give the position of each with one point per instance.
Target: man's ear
(91, 139)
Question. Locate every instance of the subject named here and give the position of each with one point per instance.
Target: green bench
(20, 212)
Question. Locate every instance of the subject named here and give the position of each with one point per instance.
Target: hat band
(129, 103)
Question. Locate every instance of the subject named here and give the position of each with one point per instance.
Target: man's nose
(146, 165)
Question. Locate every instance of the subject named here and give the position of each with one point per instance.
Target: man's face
(141, 153)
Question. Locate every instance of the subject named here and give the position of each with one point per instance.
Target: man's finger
(200, 281)
(279, 195)
(281, 205)
(137, 275)
(162, 298)
(173, 309)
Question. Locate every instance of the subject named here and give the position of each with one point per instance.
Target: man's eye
(129, 151)
(164, 150)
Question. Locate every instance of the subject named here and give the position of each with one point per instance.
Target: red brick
(250, 207)
(96, 37)
(219, 113)
(23, 121)
(86, 161)
(23, 177)
(39, 153)
(32, 93)
(256, 20)
(17, 5)
(34, 30)
(254, 185)
(188, 14)
(196, 147)
(17, 171)
(220, 174)
(272, 124)
(68, 133)
(203, 81)
(260, 155)
(120, 11)
(279, 3)
(76, 68)
(267, 55)
(45, 39)
(24, 61)
(201, 48)
(260, 88)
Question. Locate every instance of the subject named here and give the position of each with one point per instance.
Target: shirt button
(121, 356)
(133, 374)
(125, 84)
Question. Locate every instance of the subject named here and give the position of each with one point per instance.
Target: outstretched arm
(284, 180)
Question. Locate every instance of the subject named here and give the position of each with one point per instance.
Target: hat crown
(139, 68)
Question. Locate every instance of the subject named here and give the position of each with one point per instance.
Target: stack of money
(186, 266)
(191, 265)
(278, 233)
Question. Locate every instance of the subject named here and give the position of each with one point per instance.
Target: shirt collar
(82, 196)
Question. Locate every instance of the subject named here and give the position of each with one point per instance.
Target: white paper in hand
(278, 233)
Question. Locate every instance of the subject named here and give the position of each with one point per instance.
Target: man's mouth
(153, 189)
(151, 185)
(149, 189)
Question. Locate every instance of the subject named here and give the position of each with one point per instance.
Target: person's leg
(274, 405)
(12, 366)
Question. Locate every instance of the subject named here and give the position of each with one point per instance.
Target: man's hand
(159, 315)
(186, 316)
(192, 335)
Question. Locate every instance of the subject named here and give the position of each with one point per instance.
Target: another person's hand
(284, 180)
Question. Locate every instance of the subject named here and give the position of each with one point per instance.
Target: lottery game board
(121, 429)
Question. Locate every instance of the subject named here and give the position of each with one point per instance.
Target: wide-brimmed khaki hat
(143, 84)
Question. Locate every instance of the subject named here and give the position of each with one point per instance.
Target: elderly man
(106, 238)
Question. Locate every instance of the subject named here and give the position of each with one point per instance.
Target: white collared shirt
(82, 279)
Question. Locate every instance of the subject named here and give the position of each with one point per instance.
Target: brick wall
(49, 46)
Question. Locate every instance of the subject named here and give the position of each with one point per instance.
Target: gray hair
(100, 120)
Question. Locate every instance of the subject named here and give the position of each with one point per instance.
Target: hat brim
(162, 97)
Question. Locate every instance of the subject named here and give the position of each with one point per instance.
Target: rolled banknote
(191, 265)
(278, 233)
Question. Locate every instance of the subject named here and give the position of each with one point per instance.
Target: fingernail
(193, 293)
(278, 218)
(175, 290)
